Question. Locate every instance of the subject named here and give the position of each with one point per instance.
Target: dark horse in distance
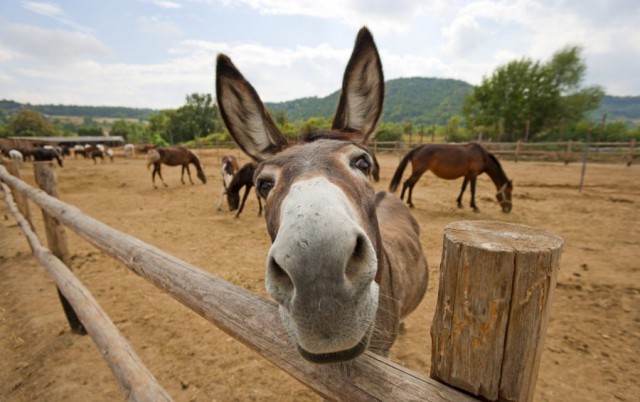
(451, 161)
(242, 178)
(178, 156)
(43, 155)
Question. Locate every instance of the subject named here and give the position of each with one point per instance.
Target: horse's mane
(195, 160)
(498, 165)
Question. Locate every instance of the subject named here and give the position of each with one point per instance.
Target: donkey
(346, 264)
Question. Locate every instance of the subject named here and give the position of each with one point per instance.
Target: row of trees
(522, 100)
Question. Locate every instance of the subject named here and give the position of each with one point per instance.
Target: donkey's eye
(264, 186)
(362, 163)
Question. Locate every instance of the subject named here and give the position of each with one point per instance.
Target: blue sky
(151, 53)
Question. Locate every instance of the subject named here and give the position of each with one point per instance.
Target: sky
(152, 53)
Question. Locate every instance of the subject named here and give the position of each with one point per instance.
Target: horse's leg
(219, 206)
(473, 194)
(189, 173)
(159, 167)
(464, 187)
(182, 174)
(410, 183)
(244, 199)
(153, 177)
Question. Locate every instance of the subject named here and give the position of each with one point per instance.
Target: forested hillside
(626, 108)
(418, 100)
(118, 112)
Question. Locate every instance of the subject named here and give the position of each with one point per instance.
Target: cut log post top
(496, 287)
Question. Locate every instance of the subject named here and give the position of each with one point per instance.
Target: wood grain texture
(245, 316)
(496, 287)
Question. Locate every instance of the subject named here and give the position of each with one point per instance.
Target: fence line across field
(563, 151)
(504, 367)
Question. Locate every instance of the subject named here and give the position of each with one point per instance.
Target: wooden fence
(563, 151)
(496, 286)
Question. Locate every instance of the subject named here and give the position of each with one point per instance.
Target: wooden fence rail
(564, 151)
(137, 383)
(243, 315)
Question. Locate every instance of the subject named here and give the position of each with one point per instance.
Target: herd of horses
(346, 265)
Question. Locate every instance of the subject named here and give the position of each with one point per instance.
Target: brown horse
(451, 161)
(346, 264)
(178, 156)
(242, 178)
(228, 168)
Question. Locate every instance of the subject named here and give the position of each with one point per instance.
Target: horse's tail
(153, 156)
(397, 176)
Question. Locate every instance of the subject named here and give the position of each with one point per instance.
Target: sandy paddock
(591, 352)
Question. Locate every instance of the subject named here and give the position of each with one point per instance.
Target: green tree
(30, 123)
(526, 92)
(130, 131)
(90, 131)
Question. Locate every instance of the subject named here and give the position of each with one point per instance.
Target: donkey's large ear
(244, 114)
(362, 92)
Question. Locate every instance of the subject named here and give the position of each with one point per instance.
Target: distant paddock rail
(485, 372)
(559, 151)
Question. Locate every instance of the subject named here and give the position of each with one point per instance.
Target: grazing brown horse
(228, 167)
(451, 161)
(242, 178)
(346, 264)
(178, 156)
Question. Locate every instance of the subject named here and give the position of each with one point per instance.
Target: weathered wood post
(21, 201)
(518, 148)
(56, 236)
(496, 287)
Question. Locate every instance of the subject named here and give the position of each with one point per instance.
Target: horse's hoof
(460, 206)
(475, 209)
(411, 206)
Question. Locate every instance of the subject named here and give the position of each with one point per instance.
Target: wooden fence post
(21, 201)
(632, 151)
(56, 236)
(518, 146)
(496, 287)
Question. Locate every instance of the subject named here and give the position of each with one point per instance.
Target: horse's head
(504, 196)
(233, 199)
(202, 177)
(320, 209)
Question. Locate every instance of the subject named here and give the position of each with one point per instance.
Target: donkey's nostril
(278, 276)
(358, 257)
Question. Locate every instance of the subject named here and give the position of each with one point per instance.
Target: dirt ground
(593, 341)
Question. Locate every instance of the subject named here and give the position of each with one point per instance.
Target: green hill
(625, 108)
(420, 100)
(115, 112)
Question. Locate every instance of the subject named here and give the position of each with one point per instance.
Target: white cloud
(383, 16)
(464, 36)
(166, 4)
(157, 25)
(53, 11)
(51, 45)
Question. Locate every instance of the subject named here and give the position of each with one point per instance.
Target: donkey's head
(320, 208)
